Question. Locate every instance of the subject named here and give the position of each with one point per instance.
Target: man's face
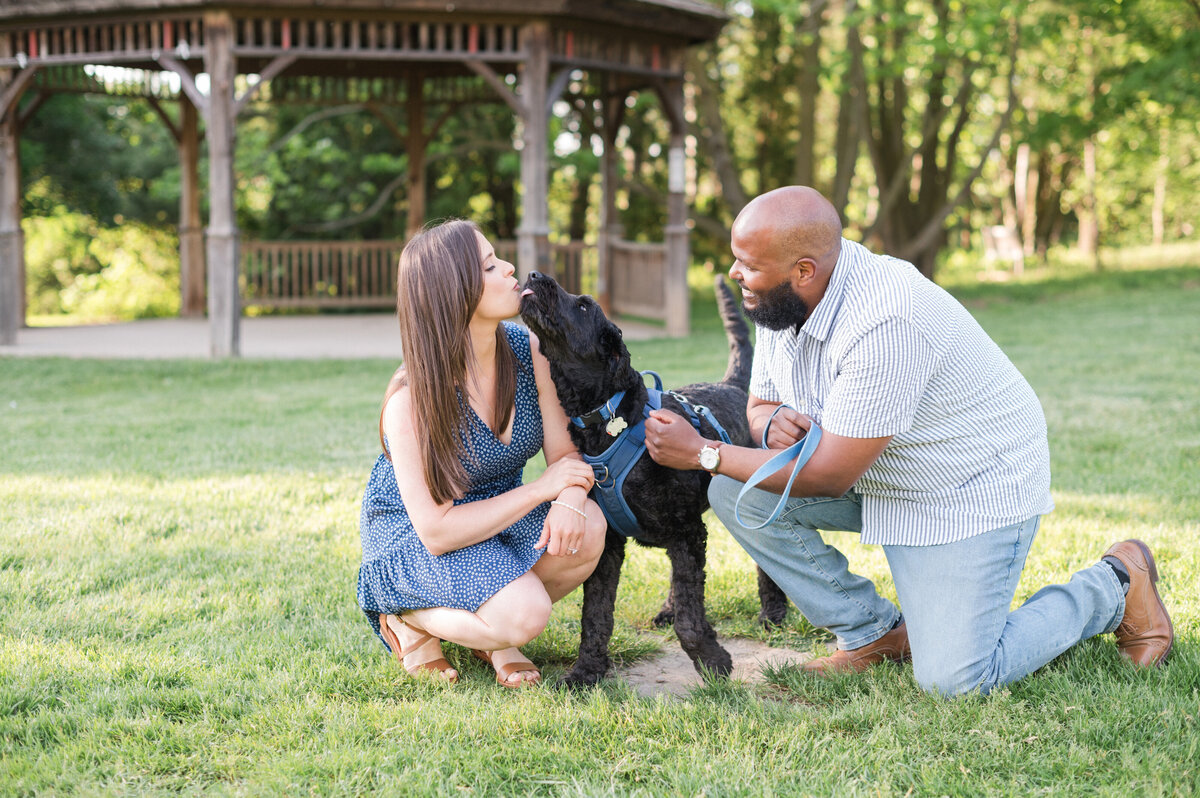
(767, 294)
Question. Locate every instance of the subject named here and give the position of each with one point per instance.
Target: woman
(455, 547)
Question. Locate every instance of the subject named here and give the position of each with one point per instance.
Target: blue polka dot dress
(399, 574)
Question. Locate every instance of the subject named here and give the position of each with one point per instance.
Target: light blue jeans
(955, 596)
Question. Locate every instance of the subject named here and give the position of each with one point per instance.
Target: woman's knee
(527, 618)
(596, 532)
(519, 612)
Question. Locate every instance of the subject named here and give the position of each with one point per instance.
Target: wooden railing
(362, 274)
(637, 279)
(319, 274)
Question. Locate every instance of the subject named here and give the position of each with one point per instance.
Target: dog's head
(586, 352)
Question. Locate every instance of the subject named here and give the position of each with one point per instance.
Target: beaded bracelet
(569, 507)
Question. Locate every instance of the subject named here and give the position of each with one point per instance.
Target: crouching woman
(455, 547)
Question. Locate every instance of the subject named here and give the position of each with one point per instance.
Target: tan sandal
(505, 671)
(439, 666)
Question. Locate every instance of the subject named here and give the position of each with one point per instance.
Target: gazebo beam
(224, 307)
(676, 232)
(191, 227)
(12, 240)
(533, 234)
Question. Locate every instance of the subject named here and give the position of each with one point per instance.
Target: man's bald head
(791, 223)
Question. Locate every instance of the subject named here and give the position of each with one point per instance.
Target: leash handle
(802, 450)
(767, 429)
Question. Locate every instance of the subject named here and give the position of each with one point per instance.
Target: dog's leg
(596, 622)
(666, 616)
(695, 633)
(772, 600)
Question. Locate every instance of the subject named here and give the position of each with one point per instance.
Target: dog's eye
(582, 303)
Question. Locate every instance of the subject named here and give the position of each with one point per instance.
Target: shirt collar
(820, 322)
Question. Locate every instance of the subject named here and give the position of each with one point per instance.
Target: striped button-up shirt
(888, 352)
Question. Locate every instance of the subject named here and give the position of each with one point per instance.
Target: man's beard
(778, 309)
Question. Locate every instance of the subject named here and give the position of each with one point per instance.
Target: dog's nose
(534, 276)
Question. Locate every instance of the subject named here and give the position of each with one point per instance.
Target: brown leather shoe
(1145, 635)
(893, 646)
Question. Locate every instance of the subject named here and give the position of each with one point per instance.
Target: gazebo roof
(693, 20)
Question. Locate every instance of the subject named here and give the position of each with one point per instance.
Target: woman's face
(501, 298)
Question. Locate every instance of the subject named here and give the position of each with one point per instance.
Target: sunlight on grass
(179, 549)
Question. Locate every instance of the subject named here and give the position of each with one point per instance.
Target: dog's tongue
(527, 292)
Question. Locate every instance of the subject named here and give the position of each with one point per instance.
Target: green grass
(178, 549)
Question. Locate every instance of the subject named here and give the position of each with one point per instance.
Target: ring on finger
(572, 551)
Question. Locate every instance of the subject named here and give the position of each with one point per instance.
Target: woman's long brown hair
(438, 286)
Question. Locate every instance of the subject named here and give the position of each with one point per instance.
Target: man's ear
(803, 271)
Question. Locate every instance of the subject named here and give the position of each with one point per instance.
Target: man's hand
(672, 441)
(787, 427)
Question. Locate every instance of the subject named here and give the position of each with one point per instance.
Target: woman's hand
(566, 472)
(562, 534)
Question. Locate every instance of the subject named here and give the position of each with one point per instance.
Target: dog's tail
(741, 351)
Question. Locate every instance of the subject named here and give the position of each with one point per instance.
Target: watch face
(710, 458)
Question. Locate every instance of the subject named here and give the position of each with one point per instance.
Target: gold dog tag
(615, 426)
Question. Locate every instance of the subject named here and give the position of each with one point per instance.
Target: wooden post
(415, 143)
(533, 234)
(12, 239)
(224, 308)
(614, 114)
(191, 229)
(676, 233)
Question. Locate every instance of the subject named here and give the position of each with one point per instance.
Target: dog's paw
(772, 618)
(716, 667)
(664, 618)
(581, 679)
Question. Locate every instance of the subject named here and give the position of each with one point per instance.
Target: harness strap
(613, 465)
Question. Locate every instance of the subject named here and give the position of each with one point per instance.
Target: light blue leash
(802, 450)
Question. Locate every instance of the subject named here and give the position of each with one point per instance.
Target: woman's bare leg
(515, 615)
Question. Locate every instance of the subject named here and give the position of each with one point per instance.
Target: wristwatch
(710, 457)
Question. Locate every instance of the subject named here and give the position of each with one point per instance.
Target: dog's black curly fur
(589, 364)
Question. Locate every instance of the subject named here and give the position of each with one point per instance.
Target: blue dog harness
(614, 463)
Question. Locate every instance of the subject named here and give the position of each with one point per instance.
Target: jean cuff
(1110, 578)
(867, 636)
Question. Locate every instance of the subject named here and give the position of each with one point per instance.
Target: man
(933, 446)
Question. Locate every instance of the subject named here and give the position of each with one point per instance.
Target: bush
(76, 267)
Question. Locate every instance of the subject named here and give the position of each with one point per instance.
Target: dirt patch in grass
(671, 672)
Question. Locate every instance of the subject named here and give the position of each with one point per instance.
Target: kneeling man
(933, 445)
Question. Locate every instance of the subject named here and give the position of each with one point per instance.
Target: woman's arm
(448, 527)
(564, 527)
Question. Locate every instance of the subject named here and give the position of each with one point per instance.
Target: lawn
(178, 550)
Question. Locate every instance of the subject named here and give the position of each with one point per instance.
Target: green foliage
(76, 267)
(178, 549)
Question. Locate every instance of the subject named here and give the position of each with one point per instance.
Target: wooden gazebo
(525, 53)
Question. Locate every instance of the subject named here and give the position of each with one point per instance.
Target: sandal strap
(424, 638)
(439, 665)
(505, 671)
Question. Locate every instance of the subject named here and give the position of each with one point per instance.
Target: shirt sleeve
(880, 381)
(761, 384)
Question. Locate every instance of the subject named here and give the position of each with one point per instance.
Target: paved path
(336, 336)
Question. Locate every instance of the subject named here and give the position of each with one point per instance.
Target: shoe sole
(1153, 567)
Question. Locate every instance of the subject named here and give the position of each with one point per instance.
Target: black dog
(590, 364)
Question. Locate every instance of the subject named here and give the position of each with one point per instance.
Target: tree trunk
(808, 37)
(1158, 211)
